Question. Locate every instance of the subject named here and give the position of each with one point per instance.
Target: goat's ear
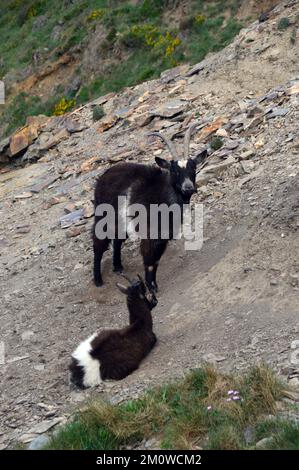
(122, 288)
(200, 157)
(162, 163)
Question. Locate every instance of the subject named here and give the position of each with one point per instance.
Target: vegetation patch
(139, 44)
(98, 113)
(95, 15)
(63, 106)
(24, 105)
(206, 409)
(216, 143)
(283, 23)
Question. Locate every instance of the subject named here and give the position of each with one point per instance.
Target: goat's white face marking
(182, 163)
(90, 365)
(150, 268)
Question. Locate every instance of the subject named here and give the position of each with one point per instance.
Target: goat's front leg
(151, 251)
(117, 266)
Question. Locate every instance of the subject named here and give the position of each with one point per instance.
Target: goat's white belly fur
(90, 365)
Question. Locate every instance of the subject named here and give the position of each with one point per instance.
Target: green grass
(117, 77)
(284, 433)
(24, 105)
(84, 435)
(187, 414)
(132, 54)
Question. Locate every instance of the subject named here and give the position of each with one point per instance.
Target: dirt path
(234, 302)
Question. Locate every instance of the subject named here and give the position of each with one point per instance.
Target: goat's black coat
(120, 352)
(147, 184)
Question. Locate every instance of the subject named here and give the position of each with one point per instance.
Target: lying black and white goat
(171, 182)
(114, 354)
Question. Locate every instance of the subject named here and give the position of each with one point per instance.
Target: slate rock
(196, 69)
(168, 75)
(38, 23)
(74, 231)
(21, 139)
(264, 443)
(71, 218)
(171, 108)
(39, 442)
(277, 112)
(231, 144)
(43, 183)
(73, 126)
(55, 139)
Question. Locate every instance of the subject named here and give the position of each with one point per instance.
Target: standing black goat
(172, 182)
(114, 354)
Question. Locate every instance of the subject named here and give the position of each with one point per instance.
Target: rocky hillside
(56, 55)
(234, 303)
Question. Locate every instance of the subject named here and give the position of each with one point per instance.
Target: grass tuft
(206, 409)
(98, 113)
(284, 433)
(216, 143)
(283, 24)
(262, 389)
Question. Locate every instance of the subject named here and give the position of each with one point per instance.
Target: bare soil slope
(234, 302)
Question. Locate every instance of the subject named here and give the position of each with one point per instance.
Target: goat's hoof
(154, 288)
(118, 269)
(98, 282)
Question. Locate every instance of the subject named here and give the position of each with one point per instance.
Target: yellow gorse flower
(154, 39)
(63, 106)
(32, 12)
(95, 15)
(200, 19)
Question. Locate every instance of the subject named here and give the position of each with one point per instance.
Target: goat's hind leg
(117, 266)
(99, 248)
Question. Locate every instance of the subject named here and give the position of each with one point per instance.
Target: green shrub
(283, 23)
(216, 143)
(98, 113)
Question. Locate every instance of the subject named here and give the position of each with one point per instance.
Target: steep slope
(234, 302)
(54, 57)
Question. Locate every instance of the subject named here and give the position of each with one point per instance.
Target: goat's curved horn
(140, 278)
(187, 139)
(127, 278)
(169, 144)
